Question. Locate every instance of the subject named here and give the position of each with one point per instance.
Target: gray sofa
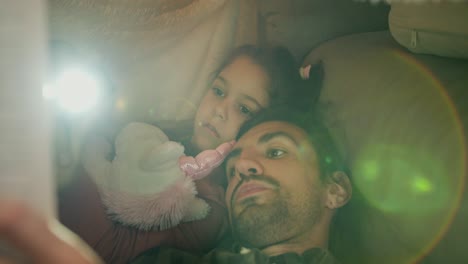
(395, 100)
(400, 118)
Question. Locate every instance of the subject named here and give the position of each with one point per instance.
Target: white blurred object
(75, 90)
(25, 171)
(25, 164)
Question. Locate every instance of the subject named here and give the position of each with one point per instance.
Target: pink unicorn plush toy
(150, 182)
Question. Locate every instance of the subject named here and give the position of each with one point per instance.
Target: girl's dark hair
(287, 88)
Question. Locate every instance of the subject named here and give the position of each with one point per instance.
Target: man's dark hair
(328, 155)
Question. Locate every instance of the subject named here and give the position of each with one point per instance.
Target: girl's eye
(218, 92)
(275, 153)
(245, 111)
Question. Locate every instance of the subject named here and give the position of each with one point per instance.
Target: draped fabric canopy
(157, 55)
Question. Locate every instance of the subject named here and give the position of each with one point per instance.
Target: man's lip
(249, 189)
(212, 129)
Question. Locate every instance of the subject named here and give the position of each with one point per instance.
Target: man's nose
(246, 167)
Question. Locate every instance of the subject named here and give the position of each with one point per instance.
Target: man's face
(274, 192)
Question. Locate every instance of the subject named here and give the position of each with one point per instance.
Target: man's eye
(218, 92)
(275, 153)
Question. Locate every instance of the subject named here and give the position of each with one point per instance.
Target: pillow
(431, 28)
(403, 139)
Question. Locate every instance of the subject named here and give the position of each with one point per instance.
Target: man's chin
(250, 208)
(257, 224)
(245, 206)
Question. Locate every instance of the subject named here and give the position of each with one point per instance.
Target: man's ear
(339, 190)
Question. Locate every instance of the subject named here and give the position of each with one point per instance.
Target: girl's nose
(220, 110)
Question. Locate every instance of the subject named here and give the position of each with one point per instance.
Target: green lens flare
(399, 179)
(421, 185)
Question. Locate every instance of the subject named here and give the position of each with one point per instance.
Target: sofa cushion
(431, 28)
(402, 137)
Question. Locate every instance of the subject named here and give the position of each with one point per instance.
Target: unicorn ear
(304, 72)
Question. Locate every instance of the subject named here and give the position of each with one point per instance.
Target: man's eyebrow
(262, 140)
(270, 136)
(234, 153)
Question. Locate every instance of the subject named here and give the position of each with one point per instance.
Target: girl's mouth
(212, 130)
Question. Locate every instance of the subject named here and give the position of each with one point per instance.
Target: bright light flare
(74, 91)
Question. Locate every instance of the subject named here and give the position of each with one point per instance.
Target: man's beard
(267, 224)
(260, 225)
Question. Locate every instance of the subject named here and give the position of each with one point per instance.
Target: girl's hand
(38, 240)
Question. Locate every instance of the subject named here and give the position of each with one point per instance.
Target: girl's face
(237, 93)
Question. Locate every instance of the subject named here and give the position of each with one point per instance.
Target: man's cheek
(229, 196)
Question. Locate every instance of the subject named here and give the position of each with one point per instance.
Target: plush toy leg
(135, 133)
(197, 210)
(157, 211)
(162, 157)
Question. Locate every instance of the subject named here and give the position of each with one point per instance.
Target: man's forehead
(270, 130)
(265, 132)
(256, 133)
